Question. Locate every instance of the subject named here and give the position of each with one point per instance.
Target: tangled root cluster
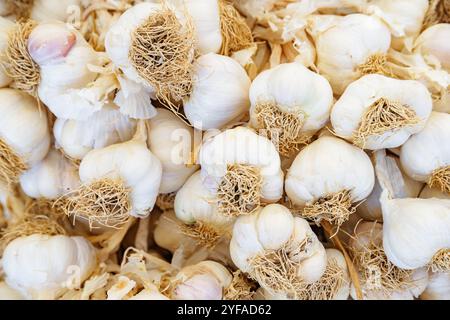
(335, 208)
(377, 272)
(376, 63)
(236, 34)
(241, 287)
(204, 234)
(105, 202)
(382, 116)
(441, 261)
(163, 51)
(283, 128)
(438, 12)
(11, 165)
(19, 65)
(239, 191)
(441, 179)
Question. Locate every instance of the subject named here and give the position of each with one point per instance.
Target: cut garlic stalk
(324, 187)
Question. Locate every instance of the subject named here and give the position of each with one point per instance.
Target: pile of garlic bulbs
(224, 149)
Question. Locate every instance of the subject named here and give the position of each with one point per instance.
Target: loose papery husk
(441, 261)
(11, 165)
(166, 201)
(335, 208)
(276, 272)
(440, 178)
(376, 63)
(438, 12)
(18, 64)
(162, 51)
(382, 116)
(203, 233)
(240, 288)
(377, 273)
(239, 191)
(20, 8)
(103, 202)
(236, 34)
(283, 128)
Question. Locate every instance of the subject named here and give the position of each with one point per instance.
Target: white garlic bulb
(273, 236)
(8, 293)
(171, 141)
(327, 186)
(67, 85)
(438, 287)
(242, 169)
(103, 128)
(426, 155)
(203, 281)
(379, 278)
(377, 112)
(292, 97)
(432, 44)
(6, 26)
(49, 10)
(21, 148)
(220, 92)
(51, 178)
(66, 259)
(349, 47)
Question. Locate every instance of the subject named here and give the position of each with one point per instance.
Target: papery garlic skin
(7, 293)
(49, 10)
(203, 281)
(344, 43)
(293, 88)
(428, 149)
(337, 257)
(432, 43)
(349, 109)
(327, 166)
(414, 230)
(220, 92)
(51, 178)
(133, 164)
(103, 128)
(272, 228)
(23, 127)
(6, 26)
(242, 146)
(66, 83)
(171, 141)
(40, 266)
(438, 287)
(147, 294)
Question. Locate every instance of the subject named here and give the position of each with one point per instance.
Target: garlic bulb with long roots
(278, 250)
(325, 188)
(291, 103)
(377, 112)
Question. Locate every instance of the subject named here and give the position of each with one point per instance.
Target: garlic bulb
(6, 26)
(67, 85)
(379, 278)
(103, 128)
(270, 237)
(117, 181)
(49, 10)
(219, 93)
(403, 17)
(292, 99)
(164, 31)
(41, 266)
(377, 112)
(171, 141)
(426, 155)
(349, 47)
(203, 281)
(325, 187)
(432, 44)
(51, 178)
(438, 287)
(242, 169)
(7, 293)
(21, 148)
